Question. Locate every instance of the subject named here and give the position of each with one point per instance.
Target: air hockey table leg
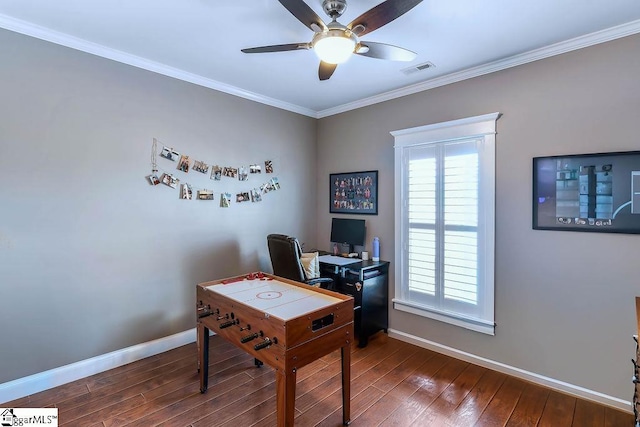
(203, 356)
(285, 397)
(346, 384)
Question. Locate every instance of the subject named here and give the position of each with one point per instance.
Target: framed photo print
(354, 192)
(587, 192)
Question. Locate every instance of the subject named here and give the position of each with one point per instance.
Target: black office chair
(285, 253)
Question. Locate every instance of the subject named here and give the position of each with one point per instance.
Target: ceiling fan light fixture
(334, 46)
(334, 43)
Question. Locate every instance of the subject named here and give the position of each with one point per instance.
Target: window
(445, 203)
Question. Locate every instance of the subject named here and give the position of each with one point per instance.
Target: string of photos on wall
(186, 164)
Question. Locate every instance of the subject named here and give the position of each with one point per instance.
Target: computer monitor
(348, 231)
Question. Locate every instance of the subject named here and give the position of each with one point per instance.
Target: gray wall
(564, 301)
(93, 258)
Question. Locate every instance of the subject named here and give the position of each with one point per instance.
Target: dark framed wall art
(354, 192)
(587, 192)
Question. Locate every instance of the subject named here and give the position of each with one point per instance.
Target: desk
(280, 322)
(368, 283)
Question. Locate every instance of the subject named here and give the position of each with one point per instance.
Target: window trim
(480, 127)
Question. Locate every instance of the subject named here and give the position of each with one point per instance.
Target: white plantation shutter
(444, 222)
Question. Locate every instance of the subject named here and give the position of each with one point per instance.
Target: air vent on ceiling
(419, 67)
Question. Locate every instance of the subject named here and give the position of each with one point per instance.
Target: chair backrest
(285, 255)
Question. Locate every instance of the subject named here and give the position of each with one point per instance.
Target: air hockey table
(280, 322)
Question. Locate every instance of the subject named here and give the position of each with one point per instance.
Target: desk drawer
(353, 289)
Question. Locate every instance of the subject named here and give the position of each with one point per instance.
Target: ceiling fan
(334, 43)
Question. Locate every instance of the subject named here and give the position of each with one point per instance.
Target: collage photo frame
(354, 192)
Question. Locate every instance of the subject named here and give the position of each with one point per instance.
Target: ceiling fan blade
(385, 51)
(326, 70)
(277, 48)
(381, 15)
(305, 14)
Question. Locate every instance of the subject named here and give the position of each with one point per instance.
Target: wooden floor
(393, 384)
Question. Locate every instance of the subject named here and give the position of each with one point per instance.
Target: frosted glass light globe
(334, 46)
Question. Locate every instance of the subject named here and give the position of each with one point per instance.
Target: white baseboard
(35, 383)
(561, 386)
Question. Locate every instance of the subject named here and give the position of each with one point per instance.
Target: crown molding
(62, 39)
(491, 67)
(66, 40)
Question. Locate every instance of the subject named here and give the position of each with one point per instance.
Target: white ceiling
(200, 41)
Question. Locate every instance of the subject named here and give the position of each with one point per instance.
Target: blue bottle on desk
(375, 256)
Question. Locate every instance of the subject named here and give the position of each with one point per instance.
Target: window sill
(444, 316)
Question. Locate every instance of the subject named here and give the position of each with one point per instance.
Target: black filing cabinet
(367, 282)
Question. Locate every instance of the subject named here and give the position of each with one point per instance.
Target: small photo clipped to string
(170, 153)
(242, 173)
(153, 179)
(271, 185)
(242, 197)
(268, 166)
(255, 169)
(230, 172)
(275, 185)
(225, 200)
(200, 166)
(183, 164)
(255, 195)
(205, 195)
(170, 180)
(187, 192)
(216, 172)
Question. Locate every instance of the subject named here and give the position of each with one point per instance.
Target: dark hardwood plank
(51, 396)
(317, 387)
(184, 357)
(233, 371)
(419, 377)
(382, 368)
(406, 367)
(615, 418)
(332, 405)
(253, 415)
(140, 383)
(78, 387)
(451, 397)
(588, 414)
(558, 411)
(151, 406)
(95, 402)
(197, 405)
(499, 410)
(128, 386)
(105, 412)
(392, 384)
(426, 394)
(143, 365)
(404, 390)
(359, 404)
(358, 368)
(377, 412)
(395, 380)
(228, 412)
(474, 403)
(529, 408)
